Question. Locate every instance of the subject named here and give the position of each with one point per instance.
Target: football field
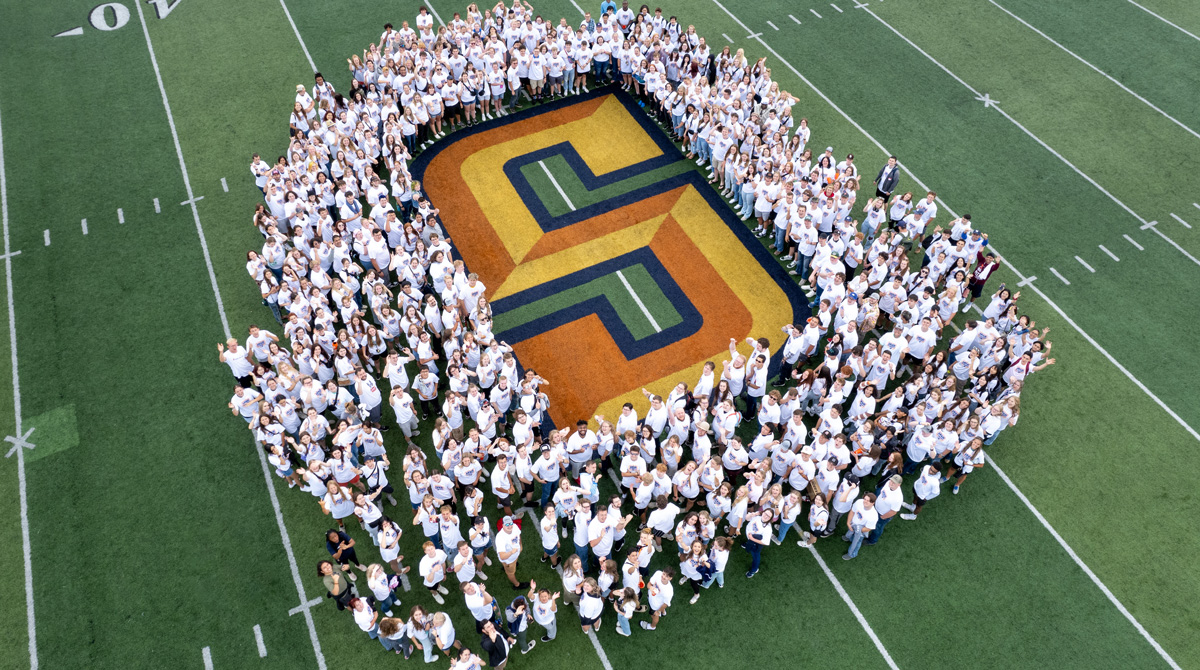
(145, 530)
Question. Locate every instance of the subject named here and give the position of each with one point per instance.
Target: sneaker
(908, 506)
(564, 531)
(544, 558)
(528, 649)
(646, 626)
(388, 613)
(955, 491)
(621, 632)
(846, 557)
(353, 577)
(694, 599)
(909, 517)
(442, 590)
(942, 480)
(750, 575)
(585, 89)
(487, 561)
(438, 599)
(682, 581)
(699, 161)
(788, 258)
(521, 586)
(790, 265)
(545, 638)
(481, 576)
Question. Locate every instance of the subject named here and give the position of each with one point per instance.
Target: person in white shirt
(508, 549)
(433, 570)
(859, 523)
(926, 488)
(661, 592)
(888, 500)
(758, 535)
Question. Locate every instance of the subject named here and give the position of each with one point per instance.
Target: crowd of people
(877, 388)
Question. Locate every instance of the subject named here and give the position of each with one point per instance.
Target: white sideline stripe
(814, 12)
(955, 327)
(83, 225)
(581, 12)
(1110, 254)
(435, 14)
(1102, 72)
(120, 215)
(599, 650)
(1130, 240)
(727, 38)
(301, 39)
(1191, 35)
(304, 606)
(1027, 281)
(639, 302)
(224, 186)
(206, 654)
(287, 545)
(862, 620)
(1033, 287)
(1173, 243)
(30, 620)
(46, 235)
(794, 19)
(1084, 264)
(1060, 277)
(157, 207)
(556, 186)
(1082, 566)
(1181, 221)
(262, 647)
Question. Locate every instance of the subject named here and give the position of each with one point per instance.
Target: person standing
(517, 614)
(888, 179)
(495, 645)
(758, 535)
(861, 521)
(887, 503)
(661, 592)
(336, 585)
(545, 606)
(508, 549)
(926, 488)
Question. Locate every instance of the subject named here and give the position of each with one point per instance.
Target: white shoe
(909, 517)
(528, 649)
(682, 581)
(564, 532)
(487, 561)
(694, 599)
(442, 590)
(621, 632)
(438, 599)
(481, 576)
(908, 506)
(585, 89)
(353, 577)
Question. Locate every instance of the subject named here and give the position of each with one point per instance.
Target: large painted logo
(610, 264)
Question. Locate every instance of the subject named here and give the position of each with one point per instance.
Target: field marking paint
(1060, 277)
(1053, 305)
(191, 201)
(814, 12)
(727, 38)
(1084, 264)
(71, 33)
(558, 188)
(305, 606)
(639, 302)
(206, 654)
(1110, 254)
(433, 11)
(212, 276)
(1181, 221)
(752, 36)
(1027, 281)
(120, 215)
(296, 30)
(1098, 70)
(1185, 32)
(224, 186)
(955, 327)
(46, 236)
(1082, 566)
(839, 9)
(599, 650)
(19, 442)
(1153, 225)
(794, 19)
(262, 647)
(1130, 240)
(976, 307)
(772, 25)
(83, 225)
(859, 5)
(157, 207)
(581, 12)
(862, 620)
(1196, 205)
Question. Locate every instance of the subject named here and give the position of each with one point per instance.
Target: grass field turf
(191, 588)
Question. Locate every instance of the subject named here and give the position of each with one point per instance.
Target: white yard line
(1130, 240)
(1110, 254)
(1083, 566)
(46, 235)
(206, 655)
(1153, 226)
(224, 185)
(558, 188)
(1084, 264)
(1166, 408)
(794, 19)
(1183, 223)
(83, 225)
(1185, 32)
(862, 620)
(1060, 277)
(120, 215)
(30, 620)
(296, 30)
(581, 12)
(435, 14)
(287, 544)
(157, 207)
(1196, 205)
(1098, 70)
(599, 650)
(727, 38)
(839, 9)
(814, 13)
(773, 26)
(258, 639)
(639, 302)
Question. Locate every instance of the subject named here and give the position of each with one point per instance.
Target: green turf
(579, 194)
(153, 536)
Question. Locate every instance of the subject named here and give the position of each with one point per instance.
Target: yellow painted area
(768, 305)
(581, 256)
(608, 140)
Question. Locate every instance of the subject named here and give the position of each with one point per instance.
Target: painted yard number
(114, 15)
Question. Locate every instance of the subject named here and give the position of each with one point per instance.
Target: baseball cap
(545, 447)
(897, 479)
(828, 148)
(508, 521)
(852, 295)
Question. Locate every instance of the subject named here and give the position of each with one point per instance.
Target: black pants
(881, 194)
(428, 408)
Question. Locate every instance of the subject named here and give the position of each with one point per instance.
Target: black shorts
(657, 533)
(505, 501)
(451, 110)
(585, 622)
(524, 81)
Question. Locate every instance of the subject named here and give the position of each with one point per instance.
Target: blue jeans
(755, 550)
(427, 645)
(718, 577)
(874, 536)
(582, 551)
(780, 235)
(548, 492)
(746, 201)
(386, 605)
(855, 537)
(783, 530)
(622, 623)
